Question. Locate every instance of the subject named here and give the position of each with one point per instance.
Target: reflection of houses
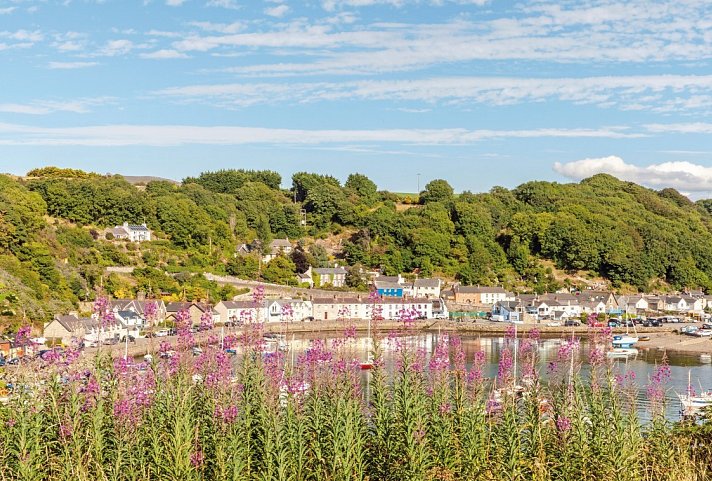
(195, 309)
(134, 233)
(440, 310)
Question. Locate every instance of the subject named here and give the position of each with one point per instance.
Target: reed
(426, 418)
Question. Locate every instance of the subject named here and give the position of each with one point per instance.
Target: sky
(477, 92)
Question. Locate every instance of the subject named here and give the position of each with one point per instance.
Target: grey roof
(387, 285)
(239, 304)
(426, 283)
(673, 299)
(119, 231)
(330, 271)
(128, 315)
(509, 304)
(70, 323)
(280, 243)
(480, 290)
(140, 228)
(393, 279)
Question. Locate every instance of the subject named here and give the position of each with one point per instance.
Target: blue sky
(477, 92)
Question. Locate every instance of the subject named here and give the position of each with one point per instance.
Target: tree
(354, 278)
(363, 186)
(304, 182)
(280, 270)
(438, 190)
(301, 260)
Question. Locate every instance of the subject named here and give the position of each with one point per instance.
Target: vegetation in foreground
(431, 416)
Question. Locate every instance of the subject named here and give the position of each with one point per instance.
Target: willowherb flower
(65, 430)
(506, 366)
(11, 423)
(656, 387)
(563, 424)
(197, 458)
(476, 374)
(22, 338)
(350, 332)
(511, 332)
(206, 319)
(258, 295)
(227, 415)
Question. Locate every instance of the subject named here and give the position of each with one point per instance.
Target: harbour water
(642, 365)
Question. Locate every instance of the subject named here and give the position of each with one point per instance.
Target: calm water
(642, 365)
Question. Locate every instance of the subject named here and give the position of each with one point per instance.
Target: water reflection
(642, 365)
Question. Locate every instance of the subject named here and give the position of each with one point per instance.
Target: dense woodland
(54, 249)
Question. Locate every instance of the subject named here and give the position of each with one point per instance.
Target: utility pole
(418, 183)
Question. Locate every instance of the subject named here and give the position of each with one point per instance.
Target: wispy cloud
(175, 135)
(684, 176)
(46, 107)
(70, 65)
(659, 93)
(229, 4)
(163, 54)
(277, 11)
(7, 10)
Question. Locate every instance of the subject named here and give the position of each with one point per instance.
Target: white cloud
(7, 10)
(45, 107)
(114, 48)
(277, 11)
(684, 176)
(229, 4)
(174, 135)
(163, 54)
(175, 3)
(655, 93)
(70, 65)
(688, 128)
(227, 28)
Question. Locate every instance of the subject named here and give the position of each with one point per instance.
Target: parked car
(162, 333)
(14, 361)
(596, 324)
(553, 324)
(110, 341)
(688, 330)
(613, 323)
(670, 319)
(651, 323)
(572, 323)
(2, 361)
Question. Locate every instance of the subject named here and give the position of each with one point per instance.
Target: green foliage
(243, 266)
(280, 270)
(229, 181)
(438, 190)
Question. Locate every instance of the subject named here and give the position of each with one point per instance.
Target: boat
(692, 403)
(197, 351)
(644, 338)
(622, 352)
(368, 363)
(624, 341)
(148, 358)
(706, 358)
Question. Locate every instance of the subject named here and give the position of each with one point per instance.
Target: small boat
(366, 365)
(644, 338)
(167, 354)
(622, 352)
(692, 403)
(197, 351)
(148, 358)
(624, 341)
(706, 358)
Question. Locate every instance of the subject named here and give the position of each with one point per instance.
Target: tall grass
(265, 418)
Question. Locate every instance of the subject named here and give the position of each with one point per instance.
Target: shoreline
(662, 338)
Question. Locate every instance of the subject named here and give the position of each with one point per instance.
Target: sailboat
(693, 403)
(368, 363)
(626, 341)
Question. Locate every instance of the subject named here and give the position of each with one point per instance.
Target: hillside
(53, 248)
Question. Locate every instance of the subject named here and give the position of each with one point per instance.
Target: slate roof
(426, 283)
(330, 271)
(480, 290)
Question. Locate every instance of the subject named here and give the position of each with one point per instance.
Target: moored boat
(622, 352)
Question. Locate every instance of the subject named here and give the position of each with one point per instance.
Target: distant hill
(53, 252)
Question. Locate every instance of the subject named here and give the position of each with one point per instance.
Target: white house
(288, 310)
(277, 247)
(334, 276)
(675, 304)
(132, 232)
(391, 308)
(428, 288)
(240, 312)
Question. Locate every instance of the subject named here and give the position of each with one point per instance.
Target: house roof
(138, 228)
(508, 304)
(387, 285)
(480, 290)
(280, 243)
(119, 231)
(177, 306)
(426, 282)
(330, 271)
(70, 322)
(239, 304)
(393, 279)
